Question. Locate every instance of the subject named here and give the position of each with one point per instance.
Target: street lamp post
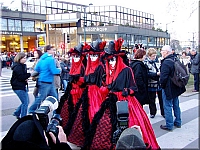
(85, 21)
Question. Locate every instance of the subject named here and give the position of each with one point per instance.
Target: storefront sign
(10, 33)
(41, 38)
(94, 29)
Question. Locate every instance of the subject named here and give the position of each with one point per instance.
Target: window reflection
(3, 24)
(11, 25)
(17, 25)
(28, 26)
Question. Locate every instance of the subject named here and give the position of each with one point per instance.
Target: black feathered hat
(114, 47)
(95, 47)
(77, 50)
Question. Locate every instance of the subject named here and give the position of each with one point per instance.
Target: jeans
(168, 105)
(65, 83)
(45, 89)
(196, 81)
(21, 111)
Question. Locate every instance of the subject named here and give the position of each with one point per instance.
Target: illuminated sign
(41, 38)
(10, 33)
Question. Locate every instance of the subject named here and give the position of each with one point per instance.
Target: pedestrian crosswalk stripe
(178, 138)
(183, 106)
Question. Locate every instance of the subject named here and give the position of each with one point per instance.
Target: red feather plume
(102, 45)
(71, 50)
(118, 44)
(86, 46)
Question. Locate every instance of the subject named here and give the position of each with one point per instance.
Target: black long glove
(125, 92)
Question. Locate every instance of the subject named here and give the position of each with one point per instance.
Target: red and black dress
(89, 103)
(73, 92)
(104, 122)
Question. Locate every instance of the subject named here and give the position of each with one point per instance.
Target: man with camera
(36, 132)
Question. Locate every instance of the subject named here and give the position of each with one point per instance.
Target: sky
(181, 16)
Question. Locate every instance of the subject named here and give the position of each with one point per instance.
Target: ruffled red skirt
(137, 116)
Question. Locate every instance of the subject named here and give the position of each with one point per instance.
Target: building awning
(61, 21)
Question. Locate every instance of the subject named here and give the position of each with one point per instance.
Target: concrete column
(21, 43)
(115, 36)
(47, 34)
(80, 38)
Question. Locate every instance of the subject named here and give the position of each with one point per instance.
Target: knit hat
(130, 139)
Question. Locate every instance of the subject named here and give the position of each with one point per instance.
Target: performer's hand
(125, 92)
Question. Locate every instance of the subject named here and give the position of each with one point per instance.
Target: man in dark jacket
(170, 91)
(195, 68)
(65, 66)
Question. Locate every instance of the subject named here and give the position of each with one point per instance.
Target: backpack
(180, 76)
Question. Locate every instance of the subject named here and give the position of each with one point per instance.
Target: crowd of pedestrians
(93, 78)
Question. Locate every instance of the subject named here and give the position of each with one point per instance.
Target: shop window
(39, 26)
(109, 37)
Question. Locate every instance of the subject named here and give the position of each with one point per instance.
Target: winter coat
(141, 79)
(167, 71)
(153, 78)
(65, 72)
(46, 67)
(19, 76)
(195, 60)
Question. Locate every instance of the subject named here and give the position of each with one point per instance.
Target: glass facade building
(75, 23)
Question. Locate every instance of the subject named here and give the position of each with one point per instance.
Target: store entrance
(11, 43)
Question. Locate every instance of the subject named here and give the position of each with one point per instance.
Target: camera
(122, 119)
(47, 106)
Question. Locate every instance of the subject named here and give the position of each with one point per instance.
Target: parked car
(30, 62)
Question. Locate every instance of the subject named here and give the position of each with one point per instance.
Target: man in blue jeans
(46, 68)
(170, 91)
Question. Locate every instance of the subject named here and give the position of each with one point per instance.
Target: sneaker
(152, 116)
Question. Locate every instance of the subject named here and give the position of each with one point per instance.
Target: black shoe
(152, 116)
(165, 128)
(177, 126)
